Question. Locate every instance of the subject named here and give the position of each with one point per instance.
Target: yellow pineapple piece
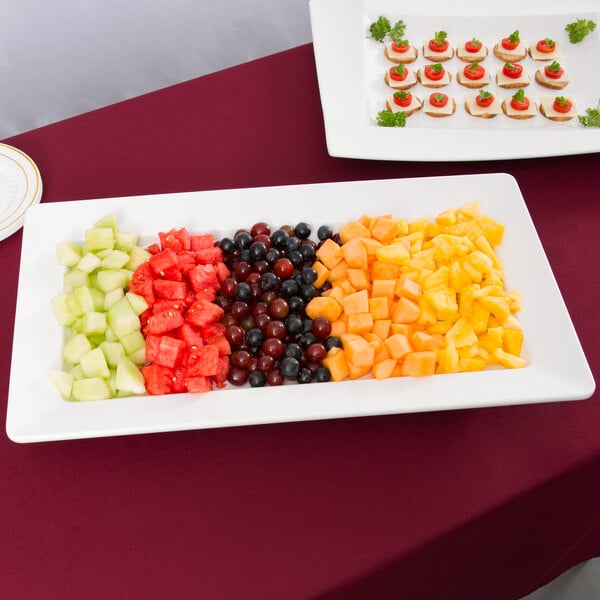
(480, 317)
(511, 322)
(498, 306)
(515, 300)
(448, 360)
(461, 334)
(469, 210)
(491, 340)
(441, 276)
(492, 230)
(474, 363)
(481, 261)
(482, 244)
(512, 341)
(443, 301)
(508, 360)
(418, 225)
(395, 253)
(448, 217)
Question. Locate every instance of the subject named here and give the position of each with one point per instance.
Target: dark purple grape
(293, 350)
(260, 228)
(234, 335)
(273, 347)
(254, 337)
(279, 308)
(279, 237)
(276, 329)
(324, 232)
(227, 245)
(321, 327)
(258, 251)
(242, 292)
(237, 376)
(257, 379)
(290, 367)
(332, 342)
(241, 359)
(302, 230)
(304, 375)
(275, 377)
(243, 240)
(315, 353)
(322, 374)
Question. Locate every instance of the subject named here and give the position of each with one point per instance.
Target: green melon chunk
(93, 322)
(112, 352)
(80, 301)
(116, 259)
(138, 357)
(108, 221)
(63, 382)
(62, 312)
(126, 241)
(112, 297)
(129, 378)
(74, 279)
(68, 253)
(75, 348)
(133, 341)
(99, 238)
(90, 388)
(138, 303)
(122, 318)
(89, 262)
(109, 279)
(137, 257)
(93, 364)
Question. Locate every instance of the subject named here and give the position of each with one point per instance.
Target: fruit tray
(37, 411)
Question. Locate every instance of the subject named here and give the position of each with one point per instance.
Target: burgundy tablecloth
(469, 504)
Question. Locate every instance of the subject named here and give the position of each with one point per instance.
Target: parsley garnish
(397, 32)
(510, 66)
(550, 43)
(439, 97)
(473, 66)
(561, 100)
(440, 36)
(554, 67)
(592, 118)
(579, 29)
(387, 118)
(400, 69)
(438, 67)
(520, 95)
(401, 95)
(483, 94)
(514, 36)
(380, 28)
(475, 42)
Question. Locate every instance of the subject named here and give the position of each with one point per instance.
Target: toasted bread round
(393, 107)
(512, 86)
(514, 115)
(553, 85)
(475, 57)
(429, 55)
(398, 58)
(555, 118)
(432, 84)
(437, 115)
(507, 55)
(471, 83)
(480, 116)
(399, 85)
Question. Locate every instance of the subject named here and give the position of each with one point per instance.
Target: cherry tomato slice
(484, 102)
(436, 46)
(520, 105)
(474, 72)
(396, 76)
(513, 71)
(400, 48)
(562, 107)
(403, 102)
(473, 46)
(542, 46)
(432, 74)
(508, 45)
(438, 100)
(553, 74)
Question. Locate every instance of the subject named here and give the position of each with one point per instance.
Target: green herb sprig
(382, 27)
(592, 117)
(579, 30)
(387, 118)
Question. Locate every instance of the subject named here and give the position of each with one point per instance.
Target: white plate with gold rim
(20, 188)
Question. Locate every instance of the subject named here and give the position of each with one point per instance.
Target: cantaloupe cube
(322, 273)
(421, 340)
(338, 327)
(338, 272)
(383, 288)
(419, 364)
(357, 302)
(359, 279)
(379, 307)
(406, 329)
(383, 369)
(385, 229)
(381, 327)
(323, 306)
(353, 229)
(359, 323)
(346, 287)
(407, 287)
(381, 351)
(398, 346)
(336, 362)
(358, 351)
(337, 293)
(370, 245)
(329, 253)
(366, 220)
(355, 254)
(356, 372)
(381, 270)
(405, 311)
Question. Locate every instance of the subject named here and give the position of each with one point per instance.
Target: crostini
(434, 76)
(483, 105)
(518, 106)
(400, 77)
(473, 50)
(438, 48)
(403, 101)
(552, 76)
(401, 52)
(439, 104)
(511, 48)
(545, 49)
(473, 76)
(558, 108)
(512, 75)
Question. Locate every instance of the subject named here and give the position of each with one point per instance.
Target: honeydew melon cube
(94, 364)
(62, 312)
(76, 326)
(115, 259)
(90, 388)
(113, 296)
(112, 352)
(95, 339)
(89, 262)
(138, 357)
(128, 377)
(73, 279)
(62, 380)
(68, 253)
(138, 303)
(137, 257)
(99, 238)
(109, 279)
(93, 322)
(108, 221)
(126, 241)
(77, 372)
(102, 254)
(122, 318)
(75, 347)
(133, 342)
(80, 301)
(110, 335)
(98, 298)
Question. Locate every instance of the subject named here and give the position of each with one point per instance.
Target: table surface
(487, 503)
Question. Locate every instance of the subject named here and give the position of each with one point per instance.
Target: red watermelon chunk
(198, 384)
(159, 379)
(165, 321)
(203, 277)
(170, 351)
(209, 255)
(201, 242)
(202, 312)
(170, 290)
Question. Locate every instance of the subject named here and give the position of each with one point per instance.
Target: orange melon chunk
(419, 364)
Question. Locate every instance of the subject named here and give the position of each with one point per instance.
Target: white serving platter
(37, 412)
(20, 188)
(351, 66)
